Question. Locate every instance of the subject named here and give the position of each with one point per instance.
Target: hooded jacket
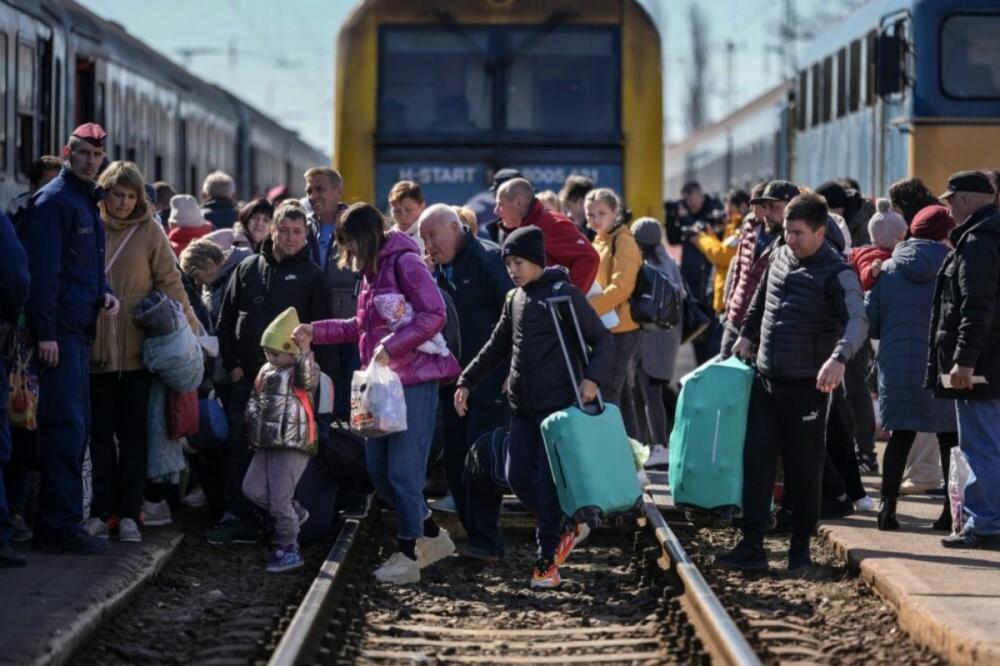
(538, 382)
(564, 245)
(280, 413)
(181, 237)
(212, 294)
(965, 324)
(752, 256)
(899, 314)
(477, 282)
(863, 260)
(146, 262)
(617, 275)
(260, 289)
(400, 271)
(65, 245)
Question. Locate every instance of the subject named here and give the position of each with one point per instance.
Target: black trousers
(896, 452)
(118, 442)
(786, 418)
(238, 452)
(841, 475)
(859, 399)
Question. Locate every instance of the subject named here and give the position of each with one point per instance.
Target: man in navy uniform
(65, 245)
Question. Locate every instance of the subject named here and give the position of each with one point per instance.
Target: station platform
(50, 607)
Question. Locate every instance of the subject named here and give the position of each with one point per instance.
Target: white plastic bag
(960, 475)
(378, 406)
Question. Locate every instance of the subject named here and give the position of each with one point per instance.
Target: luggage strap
(553, 303)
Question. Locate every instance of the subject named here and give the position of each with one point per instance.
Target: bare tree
(697, 92)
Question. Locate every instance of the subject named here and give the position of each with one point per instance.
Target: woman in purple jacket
(389, 264)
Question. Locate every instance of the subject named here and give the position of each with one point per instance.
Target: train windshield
(562, 80)
(435, 80)
(970, 56)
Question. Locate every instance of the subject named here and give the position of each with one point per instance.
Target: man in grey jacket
(808, 319)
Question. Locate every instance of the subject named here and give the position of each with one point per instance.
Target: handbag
(22, 401)
(182, 414)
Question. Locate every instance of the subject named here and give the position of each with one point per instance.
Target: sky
(284, 51)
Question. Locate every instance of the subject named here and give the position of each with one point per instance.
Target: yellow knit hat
(278, 334)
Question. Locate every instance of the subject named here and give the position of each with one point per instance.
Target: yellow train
(445, 92)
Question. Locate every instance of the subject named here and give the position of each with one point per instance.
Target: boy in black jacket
(538, 385)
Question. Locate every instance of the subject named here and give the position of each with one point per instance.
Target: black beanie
(834, 193)
(527, 243)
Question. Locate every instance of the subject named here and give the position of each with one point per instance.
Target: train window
(99, 105)
(435, 80)
(575, 92)
(841, 82)
(827, 89)
(25, 108)
(817, 95)
(854, 85)
(970, 56)
(802, 97)
(3, 103)
(870, 64)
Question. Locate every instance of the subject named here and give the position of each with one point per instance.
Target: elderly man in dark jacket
(65, 245)
(263, 286)
(965, 349)
(809, 318)
(471, 271)
(218, 194)
(14, 282)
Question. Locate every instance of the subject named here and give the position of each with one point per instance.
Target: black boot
(887, 514)
(943, 524)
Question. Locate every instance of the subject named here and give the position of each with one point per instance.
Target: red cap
(932, 223)
(92, 133)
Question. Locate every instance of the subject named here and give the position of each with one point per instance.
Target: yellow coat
(617, 276)
(720, 255)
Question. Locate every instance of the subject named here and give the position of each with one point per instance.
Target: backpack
(656, 301)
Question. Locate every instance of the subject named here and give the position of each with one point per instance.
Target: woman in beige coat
(138, 259)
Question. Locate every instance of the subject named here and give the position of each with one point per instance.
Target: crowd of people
(143, 301)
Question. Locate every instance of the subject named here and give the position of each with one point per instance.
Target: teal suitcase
(706, 444)
(588, 449)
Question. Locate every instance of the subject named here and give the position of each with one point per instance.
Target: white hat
(185, 212)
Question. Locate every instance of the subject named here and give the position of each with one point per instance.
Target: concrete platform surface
(52, 606)
(948, 600)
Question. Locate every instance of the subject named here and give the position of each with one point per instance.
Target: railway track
(630, 595)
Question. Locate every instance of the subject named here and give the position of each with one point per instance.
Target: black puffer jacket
(805, 312)
(260, 290)
(538, 383)
(965, 320)
(477, 282)
(343, 281)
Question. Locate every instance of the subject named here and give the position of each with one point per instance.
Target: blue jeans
(530, 477)
(979, 439)
(397, 463)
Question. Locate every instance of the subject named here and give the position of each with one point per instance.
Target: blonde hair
(199, 254)
(290, 209)
(219, 184)
(332, 175)
(550, 200)
(126, 174)
(606, 196)
(468, 218)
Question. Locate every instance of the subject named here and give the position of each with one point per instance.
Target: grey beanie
(647, 231)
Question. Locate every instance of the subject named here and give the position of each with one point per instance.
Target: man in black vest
(808, 319)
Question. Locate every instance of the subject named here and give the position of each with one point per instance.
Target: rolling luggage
(706, 445)
(589, 452)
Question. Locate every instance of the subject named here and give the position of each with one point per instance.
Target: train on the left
(62, 66)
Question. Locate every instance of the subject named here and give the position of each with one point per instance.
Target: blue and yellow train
(898, 88)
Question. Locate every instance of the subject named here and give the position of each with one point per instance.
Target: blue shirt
(325, 241)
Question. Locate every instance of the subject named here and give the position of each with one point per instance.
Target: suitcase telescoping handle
(554, 304)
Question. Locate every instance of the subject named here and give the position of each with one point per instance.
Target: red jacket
(863, 258)
(565, 245)
(747, 271)
(181, 237)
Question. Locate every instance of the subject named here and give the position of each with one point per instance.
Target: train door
(894, 54)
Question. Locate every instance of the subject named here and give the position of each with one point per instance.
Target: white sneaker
(430, 550)
(156, 514)
(865, 504)
(96, 527)
(398, 570)
(128, 531)
(659, 457)
(195, 499)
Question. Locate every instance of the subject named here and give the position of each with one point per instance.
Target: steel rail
(720, 635)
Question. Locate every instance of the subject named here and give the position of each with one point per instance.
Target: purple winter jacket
(400, 271)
